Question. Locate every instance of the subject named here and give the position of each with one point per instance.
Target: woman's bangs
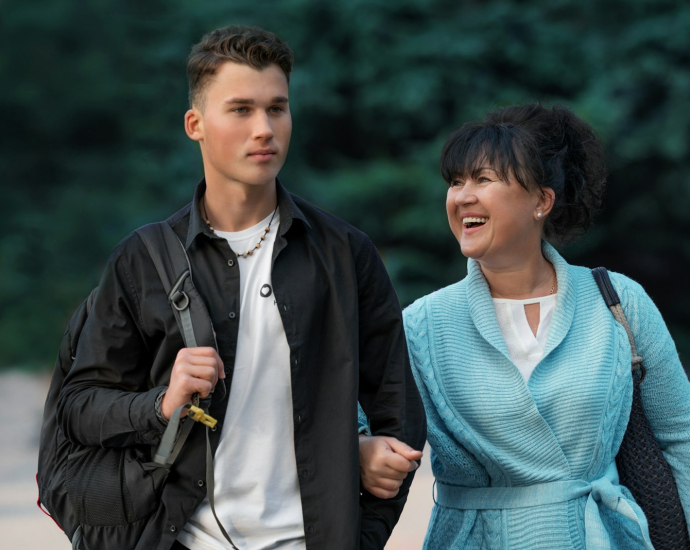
(468, 152)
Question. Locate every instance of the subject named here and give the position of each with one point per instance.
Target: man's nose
(262, 126)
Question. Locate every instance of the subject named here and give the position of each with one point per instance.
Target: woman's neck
(530, 277)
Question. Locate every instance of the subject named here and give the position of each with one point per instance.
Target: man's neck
(234, 207)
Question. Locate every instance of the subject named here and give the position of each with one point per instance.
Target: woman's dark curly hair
(541, 147)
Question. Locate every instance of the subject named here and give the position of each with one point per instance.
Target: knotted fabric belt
(605, 491)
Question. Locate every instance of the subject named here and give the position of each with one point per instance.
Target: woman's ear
(545, 203)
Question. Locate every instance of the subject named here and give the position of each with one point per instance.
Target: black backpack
(84, 488)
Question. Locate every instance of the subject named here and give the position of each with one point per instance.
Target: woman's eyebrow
(481, 169)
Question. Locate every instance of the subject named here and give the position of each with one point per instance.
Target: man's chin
(256, 180)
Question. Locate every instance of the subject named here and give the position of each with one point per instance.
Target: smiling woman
(524, 373)
(540, 150)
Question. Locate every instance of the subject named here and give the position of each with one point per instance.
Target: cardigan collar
(484, 315)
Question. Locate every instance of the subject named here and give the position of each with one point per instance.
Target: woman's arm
(665, 389)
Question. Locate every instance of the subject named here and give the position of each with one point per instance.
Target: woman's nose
(465, 195)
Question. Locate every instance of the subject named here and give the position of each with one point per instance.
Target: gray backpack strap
(175, 271)
(171, 261)
(210, 485)
(76, 539)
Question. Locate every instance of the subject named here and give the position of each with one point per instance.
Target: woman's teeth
(471, 222)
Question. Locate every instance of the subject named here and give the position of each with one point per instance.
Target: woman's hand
(384, 463)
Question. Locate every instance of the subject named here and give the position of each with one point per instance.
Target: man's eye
(240, 110)
(276, 109)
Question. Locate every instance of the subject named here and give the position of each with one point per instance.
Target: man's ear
(194, 124)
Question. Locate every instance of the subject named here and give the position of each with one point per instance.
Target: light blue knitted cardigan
(488, 428)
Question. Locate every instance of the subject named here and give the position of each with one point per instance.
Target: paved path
(24, 526)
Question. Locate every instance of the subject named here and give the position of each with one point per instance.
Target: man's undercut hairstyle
(239, 44)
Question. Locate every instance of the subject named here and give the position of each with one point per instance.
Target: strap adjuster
(198, 415)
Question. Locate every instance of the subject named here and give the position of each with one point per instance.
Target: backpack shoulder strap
(175, 271)
(613, 302)
(166, 251)
(171, 261)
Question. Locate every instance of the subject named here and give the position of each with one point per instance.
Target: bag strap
(613, 302)
(175, 271)
(173, 267)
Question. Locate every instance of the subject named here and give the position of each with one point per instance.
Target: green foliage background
(92, 144)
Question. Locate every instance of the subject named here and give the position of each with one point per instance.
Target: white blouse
(526, 349)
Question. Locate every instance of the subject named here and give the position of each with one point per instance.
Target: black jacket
(344, 328)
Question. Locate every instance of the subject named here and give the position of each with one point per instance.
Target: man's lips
(262, 154)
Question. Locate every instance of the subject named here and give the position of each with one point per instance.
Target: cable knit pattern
(488, 428)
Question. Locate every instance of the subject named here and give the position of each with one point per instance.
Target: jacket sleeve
(665, 389)
(388, 395)
(106, 399)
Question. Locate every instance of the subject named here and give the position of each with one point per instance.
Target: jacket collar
(484, 315)
(287, 207)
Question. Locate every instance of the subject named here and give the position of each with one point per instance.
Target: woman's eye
(457, 183)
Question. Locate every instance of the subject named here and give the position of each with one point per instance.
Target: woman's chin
(469, 252)
(470, 248)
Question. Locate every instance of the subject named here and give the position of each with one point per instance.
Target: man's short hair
(237, 43)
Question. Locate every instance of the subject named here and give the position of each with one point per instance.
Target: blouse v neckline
(483, 315)
(524, 347)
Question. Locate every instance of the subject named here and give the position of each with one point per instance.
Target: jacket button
(173, 528)
(299, 418)
(231, 262)
(231, 315)
(284, 307)
(200, 483)
(310, 529)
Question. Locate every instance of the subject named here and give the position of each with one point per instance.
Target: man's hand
(384, 463)
(195, 370)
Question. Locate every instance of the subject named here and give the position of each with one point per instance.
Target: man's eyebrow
(243, 101)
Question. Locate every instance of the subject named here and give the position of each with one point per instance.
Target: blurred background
(92, 146)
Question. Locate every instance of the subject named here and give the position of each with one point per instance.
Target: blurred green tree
(92, 143)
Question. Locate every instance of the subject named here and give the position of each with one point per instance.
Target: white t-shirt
(526, 349)
(257, 495)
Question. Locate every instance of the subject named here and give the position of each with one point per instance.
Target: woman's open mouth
(470, 223)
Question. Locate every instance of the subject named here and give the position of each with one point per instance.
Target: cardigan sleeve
(665, 389)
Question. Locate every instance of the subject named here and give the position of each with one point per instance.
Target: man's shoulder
(132, 247)
(179, 221)
(328, 225)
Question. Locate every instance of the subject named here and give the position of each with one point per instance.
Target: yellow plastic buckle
(198, 415)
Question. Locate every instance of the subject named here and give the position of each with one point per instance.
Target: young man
(307, 324)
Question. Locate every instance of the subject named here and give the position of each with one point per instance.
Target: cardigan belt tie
(605, 491)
